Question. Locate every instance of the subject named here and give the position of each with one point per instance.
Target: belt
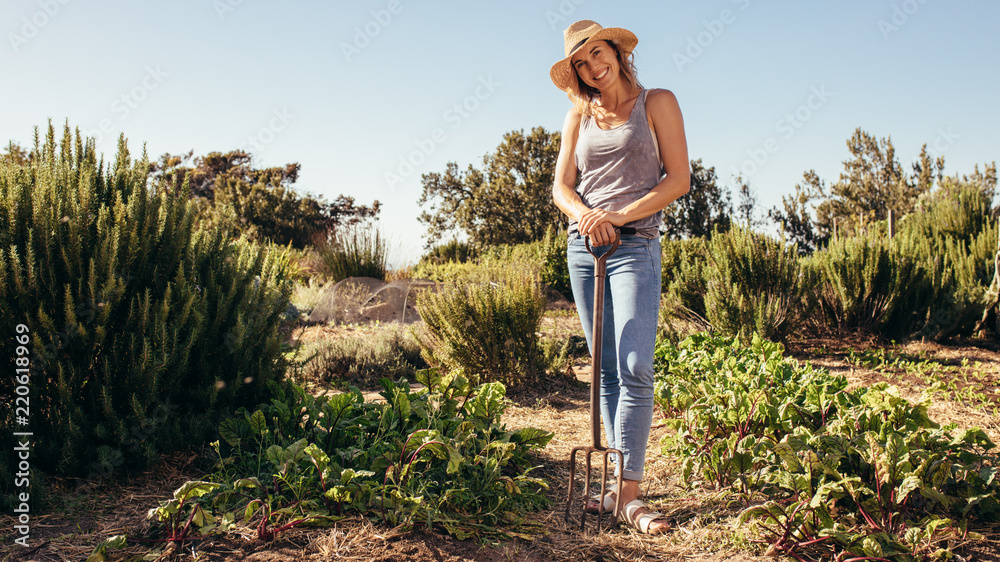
(627, 230)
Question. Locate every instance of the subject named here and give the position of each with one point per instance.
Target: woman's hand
(599, 225)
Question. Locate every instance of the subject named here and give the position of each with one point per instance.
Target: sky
(369, 95)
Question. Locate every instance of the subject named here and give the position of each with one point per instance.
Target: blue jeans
(631, 312)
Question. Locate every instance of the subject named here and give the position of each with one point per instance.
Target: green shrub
(143, 329)
(555, 269)
(390, 352)
(865, 283)
(452, 251)
(447, 272)
(753, 284)
(307, 294)
(682, 308)
(487, 328)
(952, 235)
(546, 256)
(356, 250)
(821, 468)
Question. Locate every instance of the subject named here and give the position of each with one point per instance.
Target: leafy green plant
(436, 457)
(489, 329)
(183, 513)
(144, 330)
(863, 473)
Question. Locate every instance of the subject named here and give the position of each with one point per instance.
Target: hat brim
(562, 72)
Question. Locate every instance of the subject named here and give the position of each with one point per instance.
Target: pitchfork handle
(597, 337)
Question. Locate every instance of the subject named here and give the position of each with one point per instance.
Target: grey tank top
(618, 166)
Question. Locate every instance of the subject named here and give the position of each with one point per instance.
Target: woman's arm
(668, 126)
(563, 187)
(563, 193)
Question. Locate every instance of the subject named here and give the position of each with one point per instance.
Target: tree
(508, 201)
(873, 183)
(15, 154)
(704, 208)
(260, 202)
(746, 210)
(796, 217)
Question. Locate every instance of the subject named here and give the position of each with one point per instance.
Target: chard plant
(436, 457)
(844, 474)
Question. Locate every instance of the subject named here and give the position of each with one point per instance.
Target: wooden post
(892, 224)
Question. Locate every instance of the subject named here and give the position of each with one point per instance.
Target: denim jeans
(631, 311)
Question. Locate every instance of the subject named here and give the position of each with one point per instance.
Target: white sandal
(609, 503)
(642, 522)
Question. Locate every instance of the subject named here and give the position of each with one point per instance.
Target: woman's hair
(584, 97)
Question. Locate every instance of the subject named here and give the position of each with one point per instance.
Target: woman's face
(596, 64)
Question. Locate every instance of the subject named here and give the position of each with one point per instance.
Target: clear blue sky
(351, 89)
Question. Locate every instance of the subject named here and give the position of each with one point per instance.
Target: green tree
(259, 202)
(16, 154)
(746, 210)
(873, 183)
(795, 218)
(706, 208)
(508, 201)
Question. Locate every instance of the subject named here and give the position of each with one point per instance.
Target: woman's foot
(636, 514)
(647, 522)
(594, 504)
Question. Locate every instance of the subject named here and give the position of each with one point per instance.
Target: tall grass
(389, 352)
(353, 251)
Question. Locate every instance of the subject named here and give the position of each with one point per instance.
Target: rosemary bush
(144, 329)
(487, 328)
(753, 284)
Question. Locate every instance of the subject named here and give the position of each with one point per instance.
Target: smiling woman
(624, 149)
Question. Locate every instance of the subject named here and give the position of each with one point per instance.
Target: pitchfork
(597, 339)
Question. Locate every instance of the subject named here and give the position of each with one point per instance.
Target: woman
(626, 147)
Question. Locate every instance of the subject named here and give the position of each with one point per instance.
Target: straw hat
(580, 34)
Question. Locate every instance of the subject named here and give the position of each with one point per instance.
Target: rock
(364, 299)
(341, 301)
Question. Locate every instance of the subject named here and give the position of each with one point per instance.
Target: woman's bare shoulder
(573, 116)
(661, 97)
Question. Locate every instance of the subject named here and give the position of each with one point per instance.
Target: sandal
(642, 522)
(609, 503)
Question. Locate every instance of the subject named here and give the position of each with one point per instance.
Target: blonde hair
(585, 98)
